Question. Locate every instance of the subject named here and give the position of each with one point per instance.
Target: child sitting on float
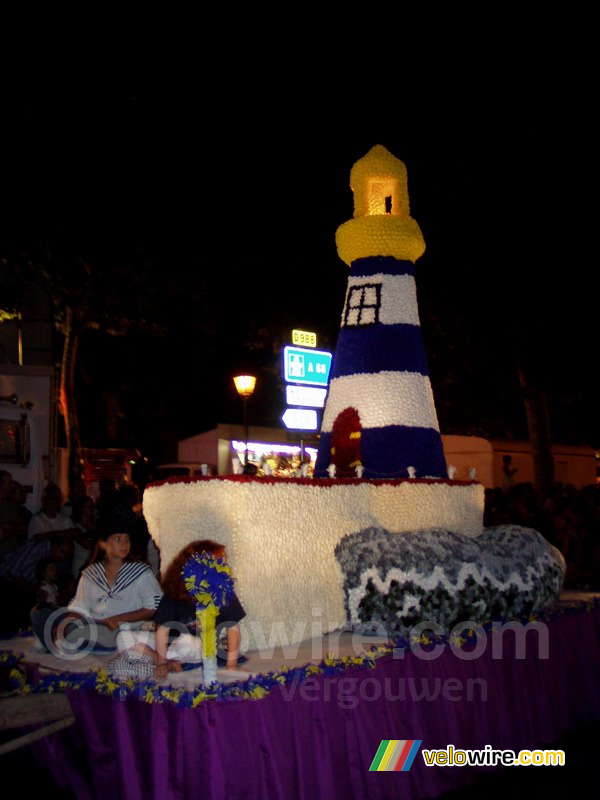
(175, 641)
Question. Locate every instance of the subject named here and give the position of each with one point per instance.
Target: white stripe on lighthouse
(398, 297)
(382, 399)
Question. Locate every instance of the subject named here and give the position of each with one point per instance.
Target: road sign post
(306, 371)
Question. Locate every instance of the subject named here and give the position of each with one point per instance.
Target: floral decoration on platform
(398, 581)
(208, 580)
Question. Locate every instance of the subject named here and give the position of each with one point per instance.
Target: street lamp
(245, 387)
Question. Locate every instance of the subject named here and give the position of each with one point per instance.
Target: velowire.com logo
(395, 755)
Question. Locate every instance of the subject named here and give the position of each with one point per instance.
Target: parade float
(381, 537)
(380, 474)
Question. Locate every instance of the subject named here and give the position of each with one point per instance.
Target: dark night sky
(246, 182)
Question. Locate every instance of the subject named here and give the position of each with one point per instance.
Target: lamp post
(245, 387)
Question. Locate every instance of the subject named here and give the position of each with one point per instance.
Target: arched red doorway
(345, 443)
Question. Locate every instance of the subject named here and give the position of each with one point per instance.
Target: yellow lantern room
(380, 184)
(382, 225)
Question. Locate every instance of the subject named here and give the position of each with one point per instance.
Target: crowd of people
(63, 533)
(85, 575)
(568, 517)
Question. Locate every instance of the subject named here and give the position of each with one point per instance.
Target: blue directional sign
(302, 365)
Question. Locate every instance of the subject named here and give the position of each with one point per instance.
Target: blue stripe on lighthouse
(389, 452)
(371, 265)
(380, 348)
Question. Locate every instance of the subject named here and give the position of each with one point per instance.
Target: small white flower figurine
(237, 465)
(472, 472)
(266, 468)
(451, 472)
(359, 469)
(331, 470)
(411, 472)
(204, 469)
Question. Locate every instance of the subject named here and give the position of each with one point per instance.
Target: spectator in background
(496, 511)
(48, 522)
(523, 506)
(129, 505)
(107, 500)
(19, 496)
(18, 582)
(13, 528)
(48, 593)
(508, 472)
(567, 517)
(77, 490)
(84, 520)
(568, 537)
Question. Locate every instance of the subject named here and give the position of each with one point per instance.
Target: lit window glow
(383, 197)
(264, 448)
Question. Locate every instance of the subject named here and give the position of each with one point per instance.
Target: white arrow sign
(300, 419)
(311, 396)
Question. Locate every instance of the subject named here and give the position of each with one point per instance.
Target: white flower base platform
(280, 535)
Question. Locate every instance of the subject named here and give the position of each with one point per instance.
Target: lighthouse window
(382, 196)
(363, 305)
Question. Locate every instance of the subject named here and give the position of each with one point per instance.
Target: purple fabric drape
(316, 740)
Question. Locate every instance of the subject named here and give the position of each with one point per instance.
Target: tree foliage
(118, 294)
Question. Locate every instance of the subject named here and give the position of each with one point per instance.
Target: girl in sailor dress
(114, 592)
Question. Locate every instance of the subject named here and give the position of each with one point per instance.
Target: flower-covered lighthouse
(380, 419)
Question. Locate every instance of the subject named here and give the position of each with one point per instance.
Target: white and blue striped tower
(380, 413)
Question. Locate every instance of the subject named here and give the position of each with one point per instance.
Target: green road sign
(301, 365)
